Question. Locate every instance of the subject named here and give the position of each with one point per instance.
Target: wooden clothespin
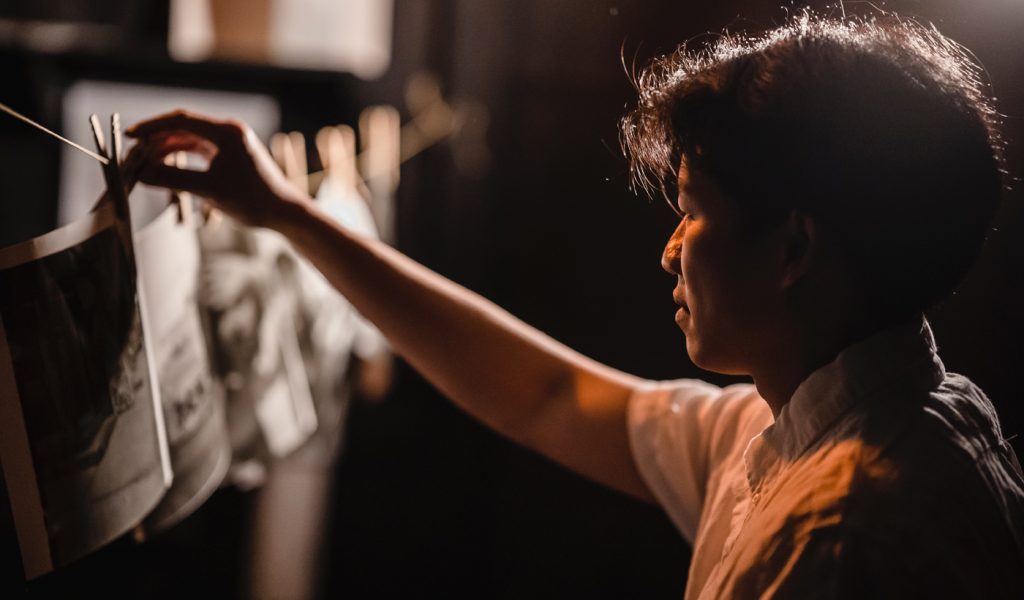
(115, 181)
(181, 199)
(300, 164)
(380, 131)
(433, 119)
(422, 94)
(289, 151)
(280, 145)
(327, 151)
(337, 149)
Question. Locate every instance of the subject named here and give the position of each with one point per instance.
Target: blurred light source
(337, 35)
(190, 37)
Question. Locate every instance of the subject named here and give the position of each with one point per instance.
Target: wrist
(289, 215)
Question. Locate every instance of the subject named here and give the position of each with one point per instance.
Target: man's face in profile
(727, 284)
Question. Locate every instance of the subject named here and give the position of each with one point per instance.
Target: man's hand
(242, 179)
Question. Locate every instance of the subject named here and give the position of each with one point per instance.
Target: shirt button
(755, 498)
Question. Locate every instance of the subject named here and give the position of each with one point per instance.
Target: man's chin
(700, 355)
(693, 350)
(706, 360)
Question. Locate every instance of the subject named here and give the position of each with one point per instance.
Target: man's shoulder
(901, 520)
(943, 472)
(940, 455)
(906, 497)
(959, 413)
(950, 436)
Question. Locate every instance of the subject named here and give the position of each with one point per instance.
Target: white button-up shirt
(884, 476)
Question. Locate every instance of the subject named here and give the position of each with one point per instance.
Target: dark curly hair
(881, 128)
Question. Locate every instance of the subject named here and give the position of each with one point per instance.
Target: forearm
(509, 375)
(493, 365)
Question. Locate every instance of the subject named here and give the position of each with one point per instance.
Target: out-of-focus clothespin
(300, 165)
(336, 146)
(380, 132)
(181, 199)
(279, 146)
(289, 151)
(433, 119)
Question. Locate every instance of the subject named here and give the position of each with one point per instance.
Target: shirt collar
(892, 362)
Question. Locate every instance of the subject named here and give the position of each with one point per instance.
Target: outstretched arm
(507, 374)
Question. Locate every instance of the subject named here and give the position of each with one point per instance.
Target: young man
(835, 179)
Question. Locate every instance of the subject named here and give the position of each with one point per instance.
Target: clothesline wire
(21, 117)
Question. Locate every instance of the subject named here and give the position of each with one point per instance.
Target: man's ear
(801, 239)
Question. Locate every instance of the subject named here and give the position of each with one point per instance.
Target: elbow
(538, 414)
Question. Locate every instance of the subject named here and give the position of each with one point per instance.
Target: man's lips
(677, 296)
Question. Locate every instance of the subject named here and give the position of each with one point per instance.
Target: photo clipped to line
(167, 254)
(82, 441)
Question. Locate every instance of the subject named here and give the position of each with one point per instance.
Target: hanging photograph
(249, 287)
(81, 439)
(167, 253)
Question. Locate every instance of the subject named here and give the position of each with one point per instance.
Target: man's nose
(673, 250)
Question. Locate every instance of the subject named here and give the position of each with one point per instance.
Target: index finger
(212, 129)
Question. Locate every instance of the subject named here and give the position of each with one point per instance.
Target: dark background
(428, 503)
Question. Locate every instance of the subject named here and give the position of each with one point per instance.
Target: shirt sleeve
(678, 431)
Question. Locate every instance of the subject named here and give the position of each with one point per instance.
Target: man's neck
(795, 360)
